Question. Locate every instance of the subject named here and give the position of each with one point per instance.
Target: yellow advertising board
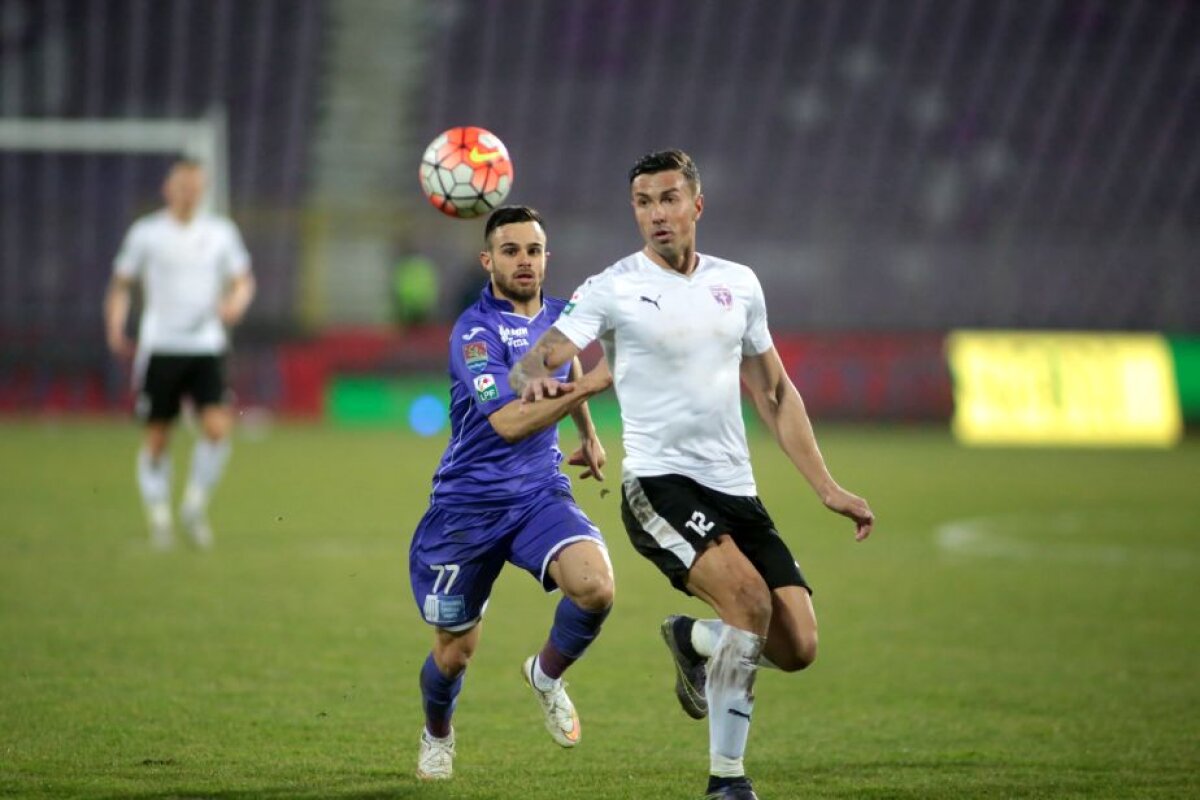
(1085, 389)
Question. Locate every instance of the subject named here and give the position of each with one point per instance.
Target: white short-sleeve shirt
(675, 345)
(183, 269)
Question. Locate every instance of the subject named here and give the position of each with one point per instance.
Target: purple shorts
(456, 556)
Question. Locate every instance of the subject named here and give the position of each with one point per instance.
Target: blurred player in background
(682, 330)
(195, 278)
(499, 496)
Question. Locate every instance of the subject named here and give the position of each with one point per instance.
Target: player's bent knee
(594, 594)
(807, 656)
(802, 657)
(452, 661)
(585, 576)
(216, 425)
(452, 652)
(157, 437)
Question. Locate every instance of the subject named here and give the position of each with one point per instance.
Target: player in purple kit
(499, 495)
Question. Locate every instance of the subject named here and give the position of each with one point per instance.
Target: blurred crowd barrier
(997, 387)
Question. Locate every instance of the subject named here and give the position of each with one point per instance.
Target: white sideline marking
(1060, 537)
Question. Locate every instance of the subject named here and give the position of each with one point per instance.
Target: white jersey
(675, 345)
(183, 269)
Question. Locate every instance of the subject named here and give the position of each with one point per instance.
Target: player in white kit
(195, 278)
(682, 332)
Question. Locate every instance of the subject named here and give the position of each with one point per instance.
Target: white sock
(154, 478)
(706, 632)
(541, 680)
(208, 464)
(730, 692)
(449, 737)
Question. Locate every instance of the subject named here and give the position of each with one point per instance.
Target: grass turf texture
(1048, 646)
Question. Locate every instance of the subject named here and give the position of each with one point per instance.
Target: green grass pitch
(1023, 623)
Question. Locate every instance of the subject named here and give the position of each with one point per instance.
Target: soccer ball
(466, 172)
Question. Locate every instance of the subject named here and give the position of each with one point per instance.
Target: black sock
(683, 637)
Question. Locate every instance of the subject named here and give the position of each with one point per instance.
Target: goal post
(203, 139)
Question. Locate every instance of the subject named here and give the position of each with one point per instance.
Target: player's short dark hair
(186, 162)
(507, 215)
(665, 160)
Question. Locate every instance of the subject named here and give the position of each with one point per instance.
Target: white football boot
(435, 761)
(561, 720)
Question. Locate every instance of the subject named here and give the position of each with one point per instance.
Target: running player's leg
(451, 579)
(157, 406)
(561, 547)
(206, 385)
(442, 674)
(664, 525)
(791, 638)
(441, 681)
(583, 572)
(154, 482)
(683, 528)
(724, 578)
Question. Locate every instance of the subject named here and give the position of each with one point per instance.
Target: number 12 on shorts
(699, 523)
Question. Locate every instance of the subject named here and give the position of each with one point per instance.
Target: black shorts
(169, 378)
(671, 519)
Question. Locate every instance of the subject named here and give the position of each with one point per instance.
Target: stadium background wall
(884, 174)
(372, 376)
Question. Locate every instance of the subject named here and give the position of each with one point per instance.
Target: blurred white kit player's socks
(192, 513)
(154, 483)
(706, 632)
(154, 477)
(158, 515)
(208, 464)
(730, 693)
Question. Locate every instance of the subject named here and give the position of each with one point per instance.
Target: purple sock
(440, 695)
(573, 630)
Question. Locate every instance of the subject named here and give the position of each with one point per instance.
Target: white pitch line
(1059, 537)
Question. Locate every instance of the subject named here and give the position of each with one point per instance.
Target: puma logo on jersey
(653, 302)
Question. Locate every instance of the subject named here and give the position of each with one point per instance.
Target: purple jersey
(479, 469)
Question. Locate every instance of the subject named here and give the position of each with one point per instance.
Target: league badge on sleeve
(570, 306)
(486, 389)
(476, 356)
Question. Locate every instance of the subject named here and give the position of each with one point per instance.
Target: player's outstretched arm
(591, 452)
(116, 312)
(531, 378)
(521, 418)
(237, 299)
(782, 409)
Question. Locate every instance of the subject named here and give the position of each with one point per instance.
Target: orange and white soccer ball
(466, 172)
